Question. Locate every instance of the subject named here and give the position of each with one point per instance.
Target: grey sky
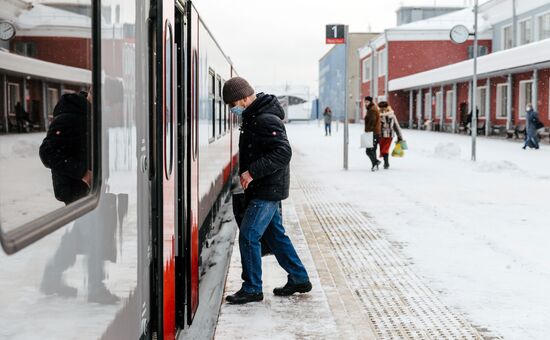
(278, 42)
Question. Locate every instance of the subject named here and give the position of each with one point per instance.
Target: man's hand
(246, 179)
(87, 178)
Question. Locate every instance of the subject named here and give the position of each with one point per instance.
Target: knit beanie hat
(235, 89)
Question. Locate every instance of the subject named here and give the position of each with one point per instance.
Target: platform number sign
(335, 34)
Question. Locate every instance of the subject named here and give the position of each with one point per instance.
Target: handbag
(404, 145)
(398, 150)
(538, 124)
(367, 140)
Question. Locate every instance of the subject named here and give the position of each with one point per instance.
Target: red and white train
(122, 262)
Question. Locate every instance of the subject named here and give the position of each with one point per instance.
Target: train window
(212, 98)
(49, 175)
(168, 103)
(220, 111)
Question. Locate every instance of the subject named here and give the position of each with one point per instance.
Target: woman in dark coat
(372, 124)
(531, 135)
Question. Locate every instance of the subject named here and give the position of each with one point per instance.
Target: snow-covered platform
(363, 286)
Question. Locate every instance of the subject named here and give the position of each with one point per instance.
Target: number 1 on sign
(334, 29)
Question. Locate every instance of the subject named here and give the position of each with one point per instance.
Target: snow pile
(447, 150)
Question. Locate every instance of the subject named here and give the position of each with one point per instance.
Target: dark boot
(386, 161)
(242, 297)
(290, 289)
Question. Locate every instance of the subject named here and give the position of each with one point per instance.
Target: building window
(427, 106)
(382, 63)
(449, 104)
(482, 101)
(525, 96)
(219, 101)
(502, 101)
(51, 101)
(27, 49)
(544, 26)
(14, 97)
(507, 40)
(366, 70)
(525, 32)
(438, 104)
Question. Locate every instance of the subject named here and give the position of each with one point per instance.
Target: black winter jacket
(64, 150)
(264, 149)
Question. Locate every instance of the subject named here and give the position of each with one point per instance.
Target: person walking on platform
(372, 124)
(264, 157)
(328, 120)
(533, 124)
(389, 124)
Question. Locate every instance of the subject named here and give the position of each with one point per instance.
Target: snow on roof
(495, 11)
(41, 16)
(435, 28)
(43, 69)
(502, 61)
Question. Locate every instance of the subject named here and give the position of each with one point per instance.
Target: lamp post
(459, 34)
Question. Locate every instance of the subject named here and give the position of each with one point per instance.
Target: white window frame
(52, 97)
(538, 17)
(8, 99)
(427, 105)
(522, 101)
(366, 69)
(520, 42)
(548, 99)
(449, 97)
(382, 63)
(438, 104)
(502, 88)
(504, 46)
(481, 104)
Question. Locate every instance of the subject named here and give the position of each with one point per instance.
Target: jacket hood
(73, 103)
(265, 103)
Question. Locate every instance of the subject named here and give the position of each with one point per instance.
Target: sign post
(338, 34)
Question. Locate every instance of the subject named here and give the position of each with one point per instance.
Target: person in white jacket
(388, 125)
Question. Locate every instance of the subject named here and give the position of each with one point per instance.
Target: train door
(183, 138)
(192, 227)
(165, 170)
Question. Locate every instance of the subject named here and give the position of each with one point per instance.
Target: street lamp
(459, 34)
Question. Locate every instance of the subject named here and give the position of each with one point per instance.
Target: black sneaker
(290, 289)
(375, 166)
(242, 297)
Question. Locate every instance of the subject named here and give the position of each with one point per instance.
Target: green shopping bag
(404, 145)
(398, 150)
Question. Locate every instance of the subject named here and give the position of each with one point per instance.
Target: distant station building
(332, 77)
(412, 48)
(408, 14)
(516, 73)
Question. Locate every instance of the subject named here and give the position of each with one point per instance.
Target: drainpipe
(359, 88)
(386, 62)
(509, 103)
(419, 109)
(411, 94)
(372, 73)
(45, 106)
(488, 108)
(514, 24)
(535, 89)
(5, 104)
(441, 105)
(454, 106)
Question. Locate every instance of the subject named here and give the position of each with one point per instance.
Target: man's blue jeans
(264, 218)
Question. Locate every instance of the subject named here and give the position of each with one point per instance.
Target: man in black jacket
(65, 148)
(264, 157)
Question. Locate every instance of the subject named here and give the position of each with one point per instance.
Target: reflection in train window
(46, 131)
